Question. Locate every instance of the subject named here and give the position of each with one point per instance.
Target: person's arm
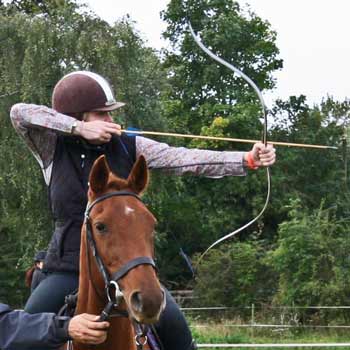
(38, 126)
(181, 160)
(19, 329)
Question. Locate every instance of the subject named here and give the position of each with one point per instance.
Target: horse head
(123, 233)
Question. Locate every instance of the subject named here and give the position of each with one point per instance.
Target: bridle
(111, 281)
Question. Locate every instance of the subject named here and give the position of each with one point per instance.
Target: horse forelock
(116, 183)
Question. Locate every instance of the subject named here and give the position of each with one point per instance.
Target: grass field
(217, 332)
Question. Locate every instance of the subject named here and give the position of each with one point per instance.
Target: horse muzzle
(146, 306)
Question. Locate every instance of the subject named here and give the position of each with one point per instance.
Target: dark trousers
(49, 296)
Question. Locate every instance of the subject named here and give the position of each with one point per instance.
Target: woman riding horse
(66, 140)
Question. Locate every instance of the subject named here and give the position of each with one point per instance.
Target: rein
(111, 281)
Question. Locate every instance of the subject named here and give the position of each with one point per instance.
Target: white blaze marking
(128, 210)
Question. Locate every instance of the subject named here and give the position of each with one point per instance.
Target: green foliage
(198, 83)
(218, 332)
(37, 48)
(184, 90)
(312, 269)
(33, 7)
(24, 224)
(204, 97)
(311, 175)
(234, 275)
(217, 338)
(311, 258)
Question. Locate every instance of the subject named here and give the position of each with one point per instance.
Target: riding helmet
(81, 92)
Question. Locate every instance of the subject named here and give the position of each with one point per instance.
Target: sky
(312, 35)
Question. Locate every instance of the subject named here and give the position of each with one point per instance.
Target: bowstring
(264, 138)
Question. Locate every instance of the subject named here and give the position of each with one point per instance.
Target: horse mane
(29, 276)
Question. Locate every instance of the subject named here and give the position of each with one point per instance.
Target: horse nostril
(136, 301)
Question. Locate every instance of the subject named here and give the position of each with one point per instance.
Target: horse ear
(138, 178)
(99, 174)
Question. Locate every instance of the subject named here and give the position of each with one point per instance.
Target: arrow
(229, 139)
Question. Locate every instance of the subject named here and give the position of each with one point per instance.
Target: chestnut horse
(117, 271)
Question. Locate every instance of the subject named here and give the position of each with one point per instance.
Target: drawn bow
(264, 138)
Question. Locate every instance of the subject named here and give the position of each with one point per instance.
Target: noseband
(112, 281)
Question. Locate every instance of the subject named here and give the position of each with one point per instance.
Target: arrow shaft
(228, 139)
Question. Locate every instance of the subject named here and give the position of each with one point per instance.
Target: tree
(311, 258)
(35, 7)
(311, 175)
(235, 275)
(36, 51)
(206, 98)
(201, 88)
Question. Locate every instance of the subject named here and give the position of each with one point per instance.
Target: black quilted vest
(68, 188)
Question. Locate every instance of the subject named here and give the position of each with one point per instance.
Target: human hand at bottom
(86, 329)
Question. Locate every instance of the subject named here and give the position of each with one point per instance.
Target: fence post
(252, 321)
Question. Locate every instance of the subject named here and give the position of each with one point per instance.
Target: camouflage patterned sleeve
(38, 127)
(180, 160)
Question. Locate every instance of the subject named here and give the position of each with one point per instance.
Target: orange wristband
(250, 161)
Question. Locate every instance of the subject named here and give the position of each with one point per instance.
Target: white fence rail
(278, 326)
(186, 296)
(253, 324)
(268, 307)
(296, 345)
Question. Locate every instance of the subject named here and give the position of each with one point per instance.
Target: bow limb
(262, 102)
(238, 72)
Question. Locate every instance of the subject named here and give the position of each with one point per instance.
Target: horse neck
(120, 333)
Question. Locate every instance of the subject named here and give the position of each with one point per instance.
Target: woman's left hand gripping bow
(261, 155)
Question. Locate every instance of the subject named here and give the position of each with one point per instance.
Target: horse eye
(101, 227)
